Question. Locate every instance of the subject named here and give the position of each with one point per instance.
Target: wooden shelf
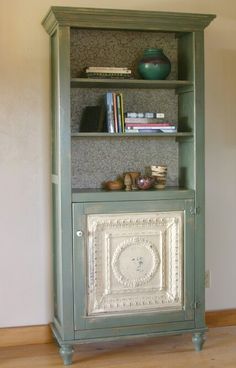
(129, 83)
(125, 135)
(96, 194)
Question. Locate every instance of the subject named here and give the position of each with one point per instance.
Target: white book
(101, 69)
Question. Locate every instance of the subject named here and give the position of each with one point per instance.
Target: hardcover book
(107, 69)
(106, 72)
(119, 119)
(144, 120)
(152, 131)
(109, 112)
(150, 125)
(93, 119)
(149, 115)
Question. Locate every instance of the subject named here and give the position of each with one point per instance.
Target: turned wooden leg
(66, 352)
(198, 340)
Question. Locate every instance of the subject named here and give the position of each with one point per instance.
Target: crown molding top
(124, 19)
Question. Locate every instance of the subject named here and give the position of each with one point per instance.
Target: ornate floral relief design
(135, 272)
(135, 262)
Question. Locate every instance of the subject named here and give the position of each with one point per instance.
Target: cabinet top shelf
(129, 83)
(124, 19)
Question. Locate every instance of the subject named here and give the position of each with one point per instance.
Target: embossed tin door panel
(132, 265)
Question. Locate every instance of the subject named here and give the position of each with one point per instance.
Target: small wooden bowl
(114, 185)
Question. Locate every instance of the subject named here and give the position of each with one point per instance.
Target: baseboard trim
(29, 335)
(221, 318)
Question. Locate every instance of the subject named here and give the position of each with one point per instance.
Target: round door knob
(79, 233)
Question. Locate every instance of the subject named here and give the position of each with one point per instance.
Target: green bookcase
(126, 264)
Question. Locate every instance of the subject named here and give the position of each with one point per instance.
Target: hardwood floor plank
(42, 334)
(162, 352)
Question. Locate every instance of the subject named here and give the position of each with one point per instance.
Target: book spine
(146, 120)
(147, 115)
(107, 75)
(115, 112)
(122, 113)
(110, 112)
(119, 120)
(150, 131)
(150, 125)
(95, 69)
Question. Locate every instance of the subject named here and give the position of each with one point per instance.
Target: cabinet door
(133, 263)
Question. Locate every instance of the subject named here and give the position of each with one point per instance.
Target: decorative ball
(145, 182)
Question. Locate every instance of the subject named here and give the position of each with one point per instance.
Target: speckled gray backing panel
(141, 100)
(97, 159)
(118, 48)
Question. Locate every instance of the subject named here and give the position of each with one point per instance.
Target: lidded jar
(154, 64)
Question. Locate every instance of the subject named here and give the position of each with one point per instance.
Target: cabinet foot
(198, 340)
(66, 352)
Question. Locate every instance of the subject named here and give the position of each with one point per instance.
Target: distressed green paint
(186, 146)
(144, 330)
(56, 209)
(93, 195)
(80, 211)
(119, 83)
(186, 57)
(126, 333)
(177, 135)
(199, 163)
(125, 19)
(65, 179)
(71, 324)
(62, 182)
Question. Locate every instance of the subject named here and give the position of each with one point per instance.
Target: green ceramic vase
(154, 65)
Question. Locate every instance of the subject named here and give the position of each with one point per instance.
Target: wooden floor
(165, 352)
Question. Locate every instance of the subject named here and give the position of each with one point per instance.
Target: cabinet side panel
(61, 174)
(57, 289)
(186, 110)
(185, 57)
(57, 286)
(54, 107)
(200, 179)
(186, 147)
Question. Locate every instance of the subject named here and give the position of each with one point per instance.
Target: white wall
(25, 257)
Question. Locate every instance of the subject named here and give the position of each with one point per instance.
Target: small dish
(114, 185)
(145, 182)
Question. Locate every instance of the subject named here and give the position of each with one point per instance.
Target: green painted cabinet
(134, 260)
(126, 264)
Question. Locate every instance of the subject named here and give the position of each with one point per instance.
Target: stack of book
(114, 112)
(107, 72)
(155, 123)
(132, 114)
